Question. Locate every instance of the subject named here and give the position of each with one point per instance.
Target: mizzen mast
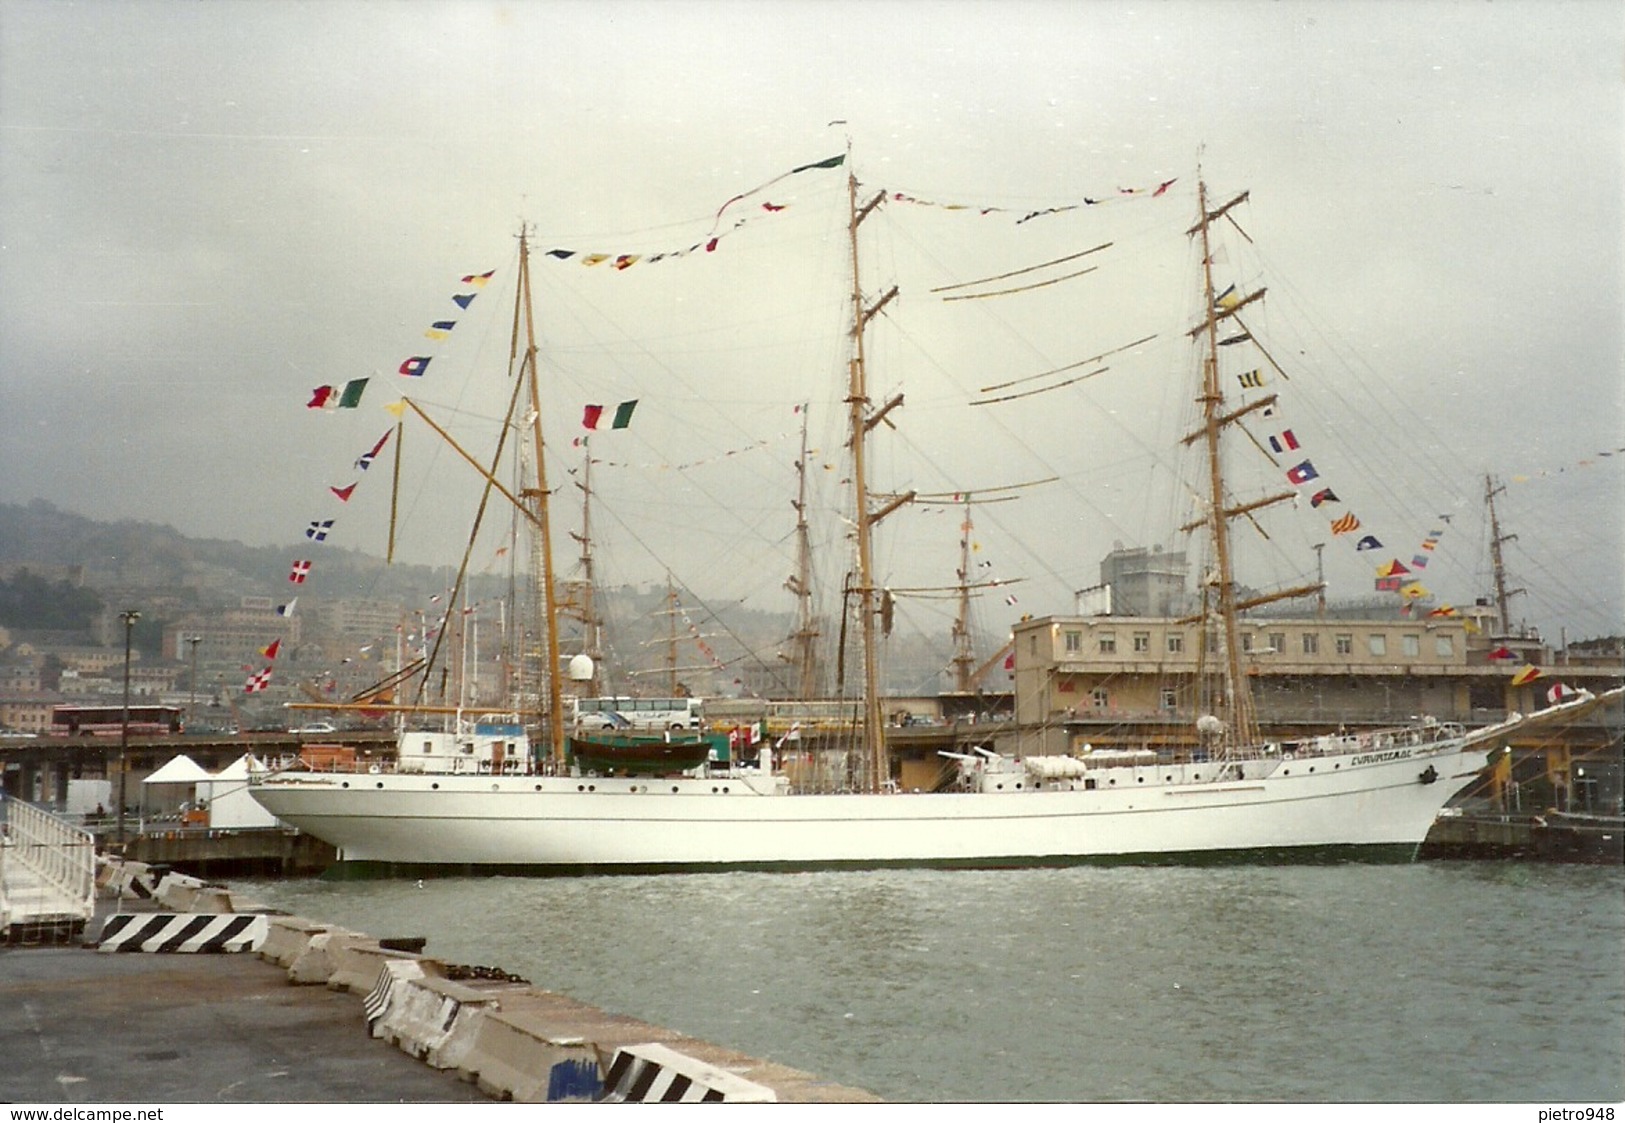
(582, 602)
(804, 639)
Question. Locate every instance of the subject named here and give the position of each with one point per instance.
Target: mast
(583, 597)
(1503, 595)
(877, 763)
(1243, 724)
(964, 659)
(1242, 727)
(555, 710)
(671, 638)
(805, 637)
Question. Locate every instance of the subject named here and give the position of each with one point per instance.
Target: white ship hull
(1378, 802)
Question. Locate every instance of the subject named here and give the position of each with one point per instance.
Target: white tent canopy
(182, 770)
(227, 798)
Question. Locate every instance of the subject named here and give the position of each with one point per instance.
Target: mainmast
(555, 709)
(1503, 595)
(1241, 728)
(1243, 723)
(877, 763)
(805, 638)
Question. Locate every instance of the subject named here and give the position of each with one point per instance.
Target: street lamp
(129, 616)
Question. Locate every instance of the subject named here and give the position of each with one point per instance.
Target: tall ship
(479, 796)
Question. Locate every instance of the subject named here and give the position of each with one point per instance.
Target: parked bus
(636, 713)
(108, 721)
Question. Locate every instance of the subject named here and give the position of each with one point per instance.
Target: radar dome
(580, 668)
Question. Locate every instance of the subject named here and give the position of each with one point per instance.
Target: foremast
(876, 763)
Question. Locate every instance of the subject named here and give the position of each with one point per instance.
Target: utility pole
(129, 616)
(191, 700)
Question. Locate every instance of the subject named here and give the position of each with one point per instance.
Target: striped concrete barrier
(288, 937)
(655, 1073)
(358, 959)
(525, 1063)
(182, 893)
(388, 990)
(313, 966)
(125, 880)
(432, 1019)
(187, 932)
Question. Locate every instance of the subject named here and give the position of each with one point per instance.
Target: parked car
(318, 727)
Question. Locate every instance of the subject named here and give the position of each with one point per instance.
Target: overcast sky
(207, 210)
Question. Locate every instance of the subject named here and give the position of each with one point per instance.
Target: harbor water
(1439, 982)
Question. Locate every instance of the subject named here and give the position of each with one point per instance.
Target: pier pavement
(85, 1028)
(149, 1028)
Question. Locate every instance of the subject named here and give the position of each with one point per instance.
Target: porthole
(724, 789)
(592, 787)
(345, 784)
(1139, 779)
(1286, 771)
(1113, 780)
(379, 784)
(1335, 767)
(581, 787)
(538, 787)
(674, 789)
(435, 786)
(1311, 768)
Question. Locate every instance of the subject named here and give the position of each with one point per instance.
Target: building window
(1074, 642)
(1278, 642)
(1169, 698)
(1099, 699)
(1176, 643)
(1311, 643)
(1108, 643)
(1142, 641)
(1411, 645)
(1444, 646)
(1378, 644)
(1032, 645)
(1345, 645)
(1247, 641)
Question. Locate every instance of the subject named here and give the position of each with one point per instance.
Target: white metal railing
(47, 866)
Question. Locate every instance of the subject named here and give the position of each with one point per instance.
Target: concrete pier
(317, 1014)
